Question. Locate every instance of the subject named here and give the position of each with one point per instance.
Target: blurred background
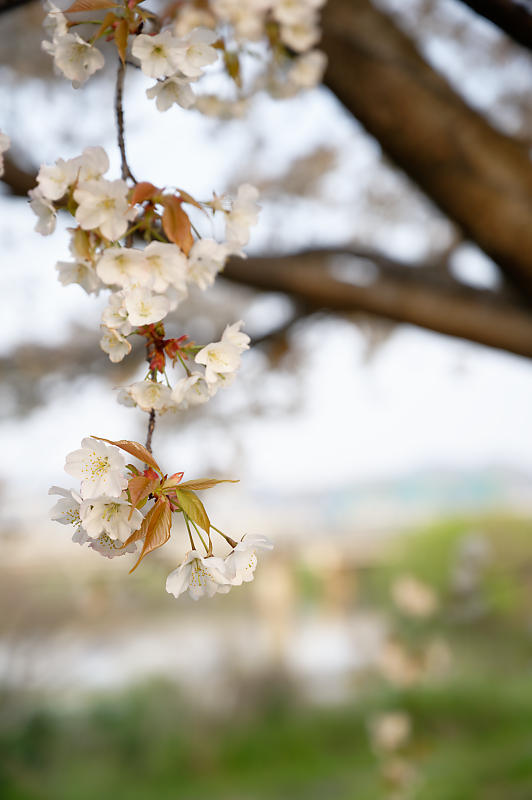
(380, 428)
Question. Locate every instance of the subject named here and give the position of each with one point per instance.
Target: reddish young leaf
(143, 191)
(158, 361)
(173, 480)
(158, 529)
(134, 449)
(121, 37)
(176, 223)
(140, 487)
(141, 532)
(90, 5)
(193, 508)
(204, 483)
(173, 347)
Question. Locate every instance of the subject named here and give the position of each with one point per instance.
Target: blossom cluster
(117, 507)
(138, 242)
(148, 282)
(177, 49)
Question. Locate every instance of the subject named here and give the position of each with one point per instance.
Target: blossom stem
(192, 543)
(189, 373)
(202, 539)
(227, 538)
(120, 75)
(151, 427)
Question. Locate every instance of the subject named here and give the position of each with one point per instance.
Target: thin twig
(120, 75)
(151, 428)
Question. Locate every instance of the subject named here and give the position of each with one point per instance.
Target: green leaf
(192, 506)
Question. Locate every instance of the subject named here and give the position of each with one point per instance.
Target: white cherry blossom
(219, 359)
(190, 17)
(192, 390)
(307, 69)
(55, 180)
(166, 266)
(205, 260)
(80, 272)
(123, 266)
(233, 335)
(197, 52)
(80, 536)
(55, 22)
(243, 215)
(99, 466)
(103, 204)
(114, 344)
(199, 574)
(44, 210)
(241, 562)
(173, 90)
(124, 397)
(76, 58)
(111, 515)
(91, 164)
(111, 548)
(67, 509)
(294, 12)
(150, 394)
(144, 307)
(300, 36)
(115, 315)
(159, 54)
(246, 16)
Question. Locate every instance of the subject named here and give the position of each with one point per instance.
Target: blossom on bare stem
(201, 576)
(241, 562)
(74, 57)
(158, 55)
(174, 90)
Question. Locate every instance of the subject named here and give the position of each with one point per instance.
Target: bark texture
(480, 178)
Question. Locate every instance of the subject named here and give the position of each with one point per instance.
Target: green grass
(469, 741)
(471, 735)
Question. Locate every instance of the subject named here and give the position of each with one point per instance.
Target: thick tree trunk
(480, 178)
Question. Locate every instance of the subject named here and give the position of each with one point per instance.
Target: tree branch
(11, 5)
(333, 280)
(511, 16)
(119, 112)
(480, 178)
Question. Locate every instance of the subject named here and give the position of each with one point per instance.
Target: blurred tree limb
(396, 292)
(514, 17)
(480, 178)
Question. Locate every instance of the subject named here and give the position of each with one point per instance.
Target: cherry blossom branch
(120, 76)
